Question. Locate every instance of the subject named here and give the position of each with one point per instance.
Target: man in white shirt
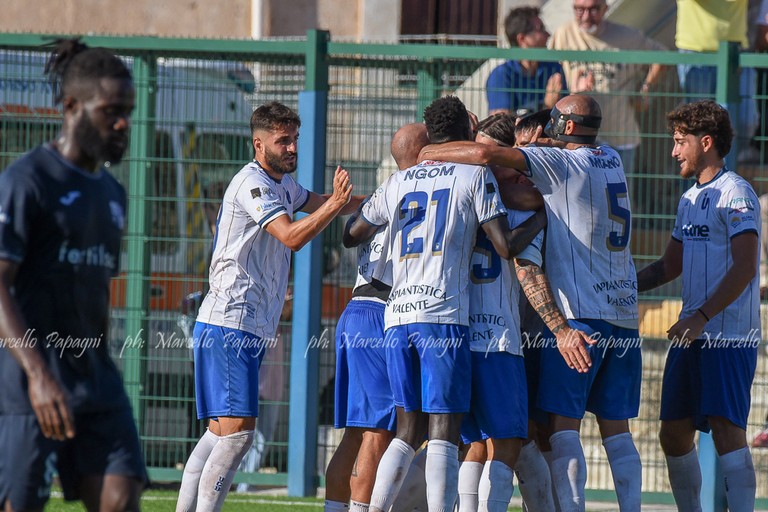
(711, 363)
(237, 321)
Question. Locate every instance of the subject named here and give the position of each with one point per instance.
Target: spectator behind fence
(524, 86)
(615, 86)
(701, 26)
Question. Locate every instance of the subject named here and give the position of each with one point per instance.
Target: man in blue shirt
(525, 86)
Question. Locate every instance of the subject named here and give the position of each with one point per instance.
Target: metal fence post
(727, 93)
(302, 430)
(137, 264)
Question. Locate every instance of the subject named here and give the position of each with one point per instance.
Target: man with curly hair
(711, 363)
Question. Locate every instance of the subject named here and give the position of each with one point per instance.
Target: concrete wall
(193, 18)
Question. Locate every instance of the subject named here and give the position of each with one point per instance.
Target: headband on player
(556, 126)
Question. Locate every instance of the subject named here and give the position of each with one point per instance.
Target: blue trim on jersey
(499, 214)
(272, 216)
(304, 203)
(719, 174)
(362, 216)
(753, 231)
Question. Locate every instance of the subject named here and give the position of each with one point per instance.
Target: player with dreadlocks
(62, 216)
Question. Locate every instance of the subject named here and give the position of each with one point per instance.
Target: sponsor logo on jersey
(118, 215)
(490, 188)
(70, 198)
(94, 256)
(740, 204)
(434, 172)
(4, 217)
(260, 192)
(705, 203)
(696, 231)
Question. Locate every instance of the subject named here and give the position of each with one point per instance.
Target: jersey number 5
(413, 212)
(617, 240)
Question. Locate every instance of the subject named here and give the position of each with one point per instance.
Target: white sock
(626, 469)
(413, 493)
(442, 471)
(534, 480)
(190, 480)
(685, 480)
(356, 506)
(469, 481)
(496, 487)
(220, 469)
(548, 458)
(569, 470)
(390, 474)
(740, 483)
(335, 506)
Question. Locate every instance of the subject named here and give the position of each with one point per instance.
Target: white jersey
(708, 217)
(494, 293)
(433, 210)
(249, 267)
(587, 259)
(373, 260)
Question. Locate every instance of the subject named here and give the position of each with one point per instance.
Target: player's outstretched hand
(572, 344)
(51, 408)
(342, 187)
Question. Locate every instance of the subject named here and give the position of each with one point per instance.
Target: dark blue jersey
(63, 227)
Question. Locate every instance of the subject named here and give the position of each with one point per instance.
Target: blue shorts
(499, 405)
(611, 387)
(363, 396)
(702, 381)
(227, 363)
(429, 367)
(105, 443)
(532, 358)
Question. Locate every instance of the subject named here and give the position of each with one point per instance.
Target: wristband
(703, 314)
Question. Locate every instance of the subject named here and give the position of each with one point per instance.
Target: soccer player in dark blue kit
(63, 403)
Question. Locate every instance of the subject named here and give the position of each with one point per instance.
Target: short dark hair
(700, 118)
(447, 120)
(533, 120)
(74, 62)
(500, 127)
(519, 21)
(273, 115)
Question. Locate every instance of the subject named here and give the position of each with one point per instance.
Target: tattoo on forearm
(652, 276)
(539, 294)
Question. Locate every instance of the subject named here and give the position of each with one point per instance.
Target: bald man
(364, 405)
(592, 314)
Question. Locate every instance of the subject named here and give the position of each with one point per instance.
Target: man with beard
(715, 247)
(61, 220)
(238, 318)
(618, 88)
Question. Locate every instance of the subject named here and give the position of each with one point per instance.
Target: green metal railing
(190, 135)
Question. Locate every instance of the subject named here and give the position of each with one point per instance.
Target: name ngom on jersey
(434, 172)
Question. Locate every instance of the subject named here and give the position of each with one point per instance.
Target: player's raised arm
(475, 153)
(510, 242)
(295, 234)
(46, 396)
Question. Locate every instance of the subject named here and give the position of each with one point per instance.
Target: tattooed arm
(570, 342)
(663, 270)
